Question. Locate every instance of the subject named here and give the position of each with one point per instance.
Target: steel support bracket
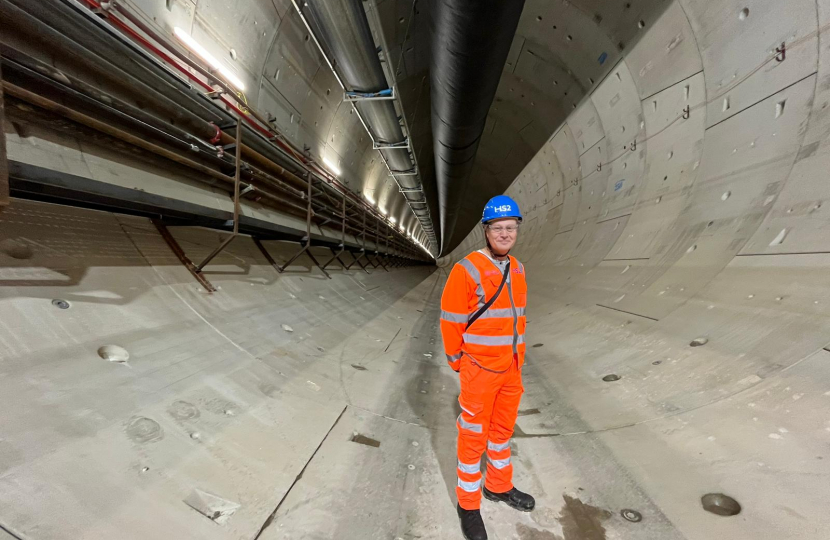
(383, 95)
(391, 146)
(183, 258)
(410, 172)
(236, 206)
(305, 241)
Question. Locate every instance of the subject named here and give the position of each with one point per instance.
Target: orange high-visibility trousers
(489, 407)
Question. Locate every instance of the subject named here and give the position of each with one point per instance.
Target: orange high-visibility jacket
(495, 337)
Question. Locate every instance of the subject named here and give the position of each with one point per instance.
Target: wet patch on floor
(579, 521)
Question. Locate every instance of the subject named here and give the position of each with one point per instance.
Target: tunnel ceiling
(560, 51)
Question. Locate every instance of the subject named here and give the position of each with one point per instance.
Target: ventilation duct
(343, 34)
(470, 42)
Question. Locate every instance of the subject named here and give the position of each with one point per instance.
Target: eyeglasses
(498, 229)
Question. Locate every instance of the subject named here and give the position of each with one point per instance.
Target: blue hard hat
(500, 206)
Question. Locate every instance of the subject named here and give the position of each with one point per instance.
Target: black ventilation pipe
(470, 42)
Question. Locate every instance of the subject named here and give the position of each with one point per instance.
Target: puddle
(582, 521)
(579, 521)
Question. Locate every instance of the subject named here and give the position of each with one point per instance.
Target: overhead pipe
(270, 199)
(342, 32)
(470, 43)
(128, 81)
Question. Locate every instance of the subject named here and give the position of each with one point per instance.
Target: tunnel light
(370, 199)
(202, 53)
(334, 169)
(393, 220)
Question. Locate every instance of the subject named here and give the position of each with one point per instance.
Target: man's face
(502, 234)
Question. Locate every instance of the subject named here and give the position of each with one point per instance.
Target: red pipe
(269, 134)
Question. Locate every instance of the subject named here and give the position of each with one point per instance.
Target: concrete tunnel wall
(712, 227)
(718, 230)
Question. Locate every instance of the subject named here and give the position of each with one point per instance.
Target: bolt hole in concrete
(720, 504)
(699, 342)
(16, 249)
(362, 439)
(631, 515)
(60, 304)
(743, 14)
(114, 353)
(537, 345)
(611, 378)
(656, 362)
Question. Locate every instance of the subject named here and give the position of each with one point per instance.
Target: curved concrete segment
(692, 266)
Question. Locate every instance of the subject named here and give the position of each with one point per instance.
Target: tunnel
(225, 229)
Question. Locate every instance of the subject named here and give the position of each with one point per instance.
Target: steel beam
(183, 258)
(336, 254)
(306, 241)
(236, 180)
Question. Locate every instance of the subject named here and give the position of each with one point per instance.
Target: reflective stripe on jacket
(493, 339)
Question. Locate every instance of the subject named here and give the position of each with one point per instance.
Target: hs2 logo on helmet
(502, 208)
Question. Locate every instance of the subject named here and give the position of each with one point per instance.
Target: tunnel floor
(292, 406)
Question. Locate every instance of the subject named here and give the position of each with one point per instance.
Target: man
(483, 325)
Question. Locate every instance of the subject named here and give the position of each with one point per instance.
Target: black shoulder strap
(489, 303)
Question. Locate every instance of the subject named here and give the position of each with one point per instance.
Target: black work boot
(514, 498)
(471, 524)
